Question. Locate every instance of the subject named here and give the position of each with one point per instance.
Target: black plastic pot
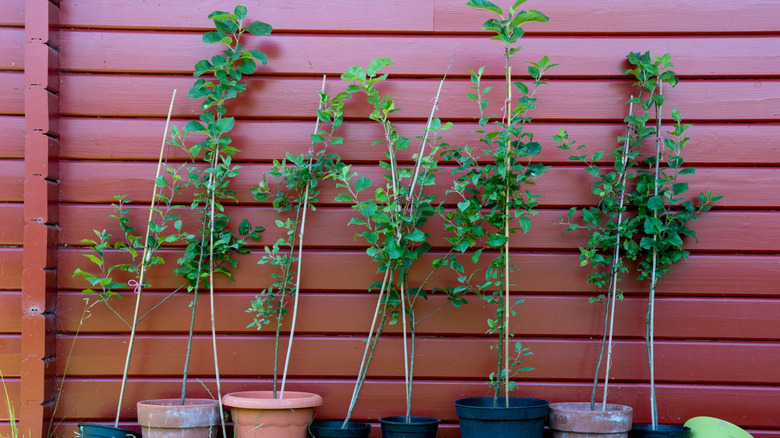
(663, 431)
(418, 427)
(523, 418)
(332, 429)
(88, 430)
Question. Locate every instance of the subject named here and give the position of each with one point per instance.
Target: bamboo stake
(142, 274)
(211, 298)
(616, 258)
(300, 255)
(363, 370)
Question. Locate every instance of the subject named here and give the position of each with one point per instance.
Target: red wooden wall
(719, 336)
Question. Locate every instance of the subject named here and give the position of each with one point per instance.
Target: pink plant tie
(135, 285)
(435, 103)
(503, 110)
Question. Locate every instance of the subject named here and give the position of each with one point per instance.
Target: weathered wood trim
(41, 192)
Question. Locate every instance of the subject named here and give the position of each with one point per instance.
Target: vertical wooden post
(41, 156)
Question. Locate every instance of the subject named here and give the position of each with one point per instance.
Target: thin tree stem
(142, 274)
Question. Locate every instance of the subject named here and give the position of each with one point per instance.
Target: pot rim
(265, 400)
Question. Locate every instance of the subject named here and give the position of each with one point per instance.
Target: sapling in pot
(663, 210)
(493, 184)
(300, 178)
(393, 220)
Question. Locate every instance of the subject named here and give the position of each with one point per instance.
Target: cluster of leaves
(493, 184)
(299, 187)
(394, 217)
(211, 179)
(164, 228)
(660, 198)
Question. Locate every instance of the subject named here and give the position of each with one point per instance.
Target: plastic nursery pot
(524, 417)
(256, 414)
(332, 429)
(709, 427)
(570, 420)
(663, 431)
(88, 430)
(167, 418)
(417, 427)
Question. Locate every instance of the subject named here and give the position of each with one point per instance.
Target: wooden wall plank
(10, 356)
(398, 16)
(11, 180)
(87, 138)
(12, 13)
(600, 57)
(606, 17)
(11, 259)
(12, 218)
(540, 272)
(10, 312)
(12, 84)
(750, 406)
(556, 316)
(11, 48)
(11, 137)
(711, 101)
(437, 358)
(747, 230)
(84, 181)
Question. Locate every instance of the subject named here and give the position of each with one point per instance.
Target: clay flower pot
(568, 420)
(256, 414)
(166, 418)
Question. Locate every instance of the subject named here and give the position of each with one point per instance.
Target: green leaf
(225, 124)
(526, 16)
(240, 12)
(354, 73)
(362, 184)
(484, 4)
(496, 240)
(377, 65)
(655, 203)
(213, 37)
(416, 236)
(259, 28)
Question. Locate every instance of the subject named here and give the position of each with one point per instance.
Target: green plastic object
(709, 427)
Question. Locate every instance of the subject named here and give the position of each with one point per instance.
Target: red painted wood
(12, 218)
(747, 230)
(13, 99)
(12, 13)
(550, 315)
(712, 101)
(562, 187)
(11, 137)
(606, 17)
(10, 312)
(112, 51)
(397, 16)
(442, 15)
(12, 268)
(11, 48)
(139, 139)
(540, 272)
(436, 358)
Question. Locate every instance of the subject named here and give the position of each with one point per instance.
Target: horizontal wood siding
(718, 326)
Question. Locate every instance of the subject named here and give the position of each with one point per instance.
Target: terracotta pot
(576, 420)
(166, 418)
(256, 414)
